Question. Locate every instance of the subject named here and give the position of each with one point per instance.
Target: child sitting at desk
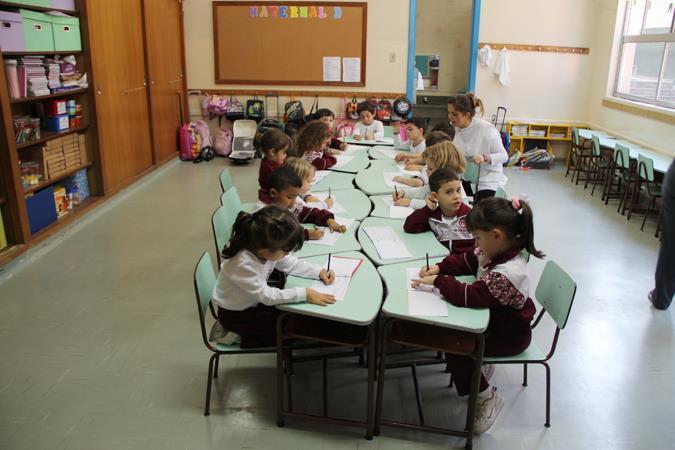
(443, 154)
(414, 145)
(502, 229)
(275, 144)
(422, 179)
(284, 189)
(444, 214)
(328, 117)
(306, 172)
(260, 243)
(312, 145)
(367, 128)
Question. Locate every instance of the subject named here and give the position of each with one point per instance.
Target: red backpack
(384, 110)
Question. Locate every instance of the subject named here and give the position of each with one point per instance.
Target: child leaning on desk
(260, 243)
(312, 145)
(414, 145)
(284, 189)
(306, 172)
(327, 116)
(413, 161)
(367, 127)
(502, 229)
(444, 214)
(275, 144)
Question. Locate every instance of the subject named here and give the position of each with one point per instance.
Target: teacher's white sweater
(482, 138)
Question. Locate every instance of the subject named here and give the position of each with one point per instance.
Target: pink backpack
(203, 129)
(190, 142)
(222, 144)
(344, 127)
(217, 105)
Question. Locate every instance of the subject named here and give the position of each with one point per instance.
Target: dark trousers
(461, 367)
(665, 267)
(484, 193)
(257, 326)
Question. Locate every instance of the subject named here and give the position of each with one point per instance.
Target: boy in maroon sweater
(445, 213)
(284, 189)
(502, 229)
(274, 145)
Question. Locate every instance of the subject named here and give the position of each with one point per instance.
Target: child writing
(444, 214)
(312, 145)
(260, 243)
(502, 229)
(306, 172)
(284, 189)
(328, 117)
(275, 144)
(443, 154)
(420, 180)
(367, 127)
(414, 146)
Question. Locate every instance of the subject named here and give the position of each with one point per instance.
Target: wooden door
(163, 21)
(116, 35)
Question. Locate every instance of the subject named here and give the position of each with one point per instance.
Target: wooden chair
(645, 184)
(597, 165)
(578, 156)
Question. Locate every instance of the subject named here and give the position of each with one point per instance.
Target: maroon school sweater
(453, 235)
(266, 169)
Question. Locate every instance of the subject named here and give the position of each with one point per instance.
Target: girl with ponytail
(503, 229)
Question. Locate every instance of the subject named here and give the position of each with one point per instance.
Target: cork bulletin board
(290, 43)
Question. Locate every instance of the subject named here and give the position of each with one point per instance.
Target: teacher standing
(480, 142)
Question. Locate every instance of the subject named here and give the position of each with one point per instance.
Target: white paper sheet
(343, 160)
(331, 68)
(329, 237)
(397, 212)
(388, 152)
(351, 70)
(424, 300)
(351, 149)
(343, 266)
(337, 207)
(387, 243)
(320, 175)
(389, 179)
(338, 288)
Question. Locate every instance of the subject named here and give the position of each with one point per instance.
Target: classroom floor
(100, 345)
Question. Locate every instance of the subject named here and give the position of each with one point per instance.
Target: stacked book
(71, 78)
(32, 76)
(53, 75)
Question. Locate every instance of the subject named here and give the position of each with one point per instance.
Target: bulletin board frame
(226, 55)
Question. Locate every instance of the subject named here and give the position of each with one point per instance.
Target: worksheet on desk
(424, 300)
(320, 175)
(337, 288)
(351, 149)
(397, 212)
(337, 207)
(389, 179)
(387, 243)
(343, 160)
(343, 266)
(331, 237)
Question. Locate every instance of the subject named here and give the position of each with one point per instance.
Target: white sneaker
(488, 372)
(487, 410)
(230, 338)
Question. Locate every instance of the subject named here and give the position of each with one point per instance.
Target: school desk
(359, 162)
(360, 307)
(385, 141)
(384, 152)
(371, 181)
(418, 244)
(346, 243)
(380, 208)
(335, 181)
(356, 203)
(588, 134)
(467, 323)
(661, 161)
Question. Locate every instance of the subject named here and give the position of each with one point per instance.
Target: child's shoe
(489, 405)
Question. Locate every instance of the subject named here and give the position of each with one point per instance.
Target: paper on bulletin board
(351, 70)
(331, 68)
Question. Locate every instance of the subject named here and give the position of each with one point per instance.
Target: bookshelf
(528, 135)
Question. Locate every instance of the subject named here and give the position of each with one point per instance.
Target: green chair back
(388, 131)
(646, 168)
(575, 137)
(621, 156)
(226, 181)
(596, 145)
(555, 292)
(472, 172)
(204, 280)
(500, 193)
(230, 198)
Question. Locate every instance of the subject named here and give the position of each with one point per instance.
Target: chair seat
(644, 189)
(532, 353)
(603, 163)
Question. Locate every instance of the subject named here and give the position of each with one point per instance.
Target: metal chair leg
(418, 396)
(548, 395)
(649, 209)
(324, 363)
(380, 379)
(215, 369)
(208, 385)
(525, 374)
(289, 384)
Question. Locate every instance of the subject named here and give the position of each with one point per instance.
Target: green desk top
(396, 303)
(417, 244)
(661, 161)
(356, 203)
(371, 180)
(380, 208)
(382, 152)
(356, 165)
(385, 141)
(361, 304)
(587, 134)
(346, 243)
(335, 181)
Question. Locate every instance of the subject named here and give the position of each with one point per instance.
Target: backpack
(190, 142)
(383, 110)
(222, 144)
(402, 108)
(294, 111)
(255, 109)
(202, 128)
(344, 130)
(312, 111)
(235, 110)
(351, 109)
(217, 105)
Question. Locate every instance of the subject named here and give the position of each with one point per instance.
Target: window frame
(664, 38)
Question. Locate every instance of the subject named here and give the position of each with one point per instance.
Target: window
(646, 69)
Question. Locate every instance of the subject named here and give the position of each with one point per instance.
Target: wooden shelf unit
(50, 96)
(7, 5)
(51, 135)
(547, 133)
(56, 179)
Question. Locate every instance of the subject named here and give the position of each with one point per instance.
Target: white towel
(419, 81)
(502, 67)
(485, 56)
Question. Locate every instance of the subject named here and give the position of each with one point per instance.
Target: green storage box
(37, 30)
(66, 33)
(43, 3)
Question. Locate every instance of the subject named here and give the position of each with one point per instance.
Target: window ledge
(651, 111)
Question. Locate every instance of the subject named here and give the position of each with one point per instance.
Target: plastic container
(12, 78)
(66, 33)
(37, 31)
(43, 3)
(41, 210)
(242, 143)
(68, 5)
(58, 123)
(11, 32)
(56, 107)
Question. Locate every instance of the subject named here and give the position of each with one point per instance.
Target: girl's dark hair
(493, 212)
(440, 177)
(324, 112)
(274, 139)
(365, 106)
(311, 137)
(418, 122)
(272, 228)
(445, 127)
(467, 104)
(435, 137)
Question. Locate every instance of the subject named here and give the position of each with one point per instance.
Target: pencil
(427, 262)
(395, 192)
(328, 270)
(328, 192)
